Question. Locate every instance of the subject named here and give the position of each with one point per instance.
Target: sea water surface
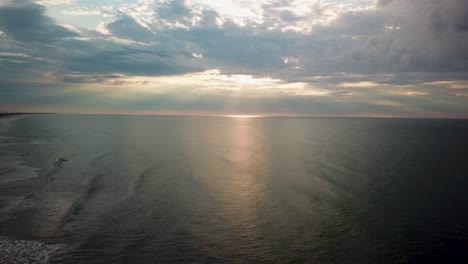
(166, 189)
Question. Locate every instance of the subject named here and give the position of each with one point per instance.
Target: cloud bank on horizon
(278, 57)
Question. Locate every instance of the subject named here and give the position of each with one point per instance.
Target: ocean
(173, 189)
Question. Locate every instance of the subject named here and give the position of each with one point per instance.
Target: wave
(12, 169)
(75, 207)
(90, 188)
(141, 178)
(97, 159)
(15, 204)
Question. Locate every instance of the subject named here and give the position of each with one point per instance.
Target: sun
(242, 116)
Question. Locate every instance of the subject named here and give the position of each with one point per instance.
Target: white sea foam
(5, 122)
(24, 251)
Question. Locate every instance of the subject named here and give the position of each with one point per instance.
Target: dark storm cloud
(449, 16)
(237, 48)
(108, 57)
(431, 35)
(48, 47)
(127, 28)
(27, 22)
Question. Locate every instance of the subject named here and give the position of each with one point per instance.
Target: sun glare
(242, 116)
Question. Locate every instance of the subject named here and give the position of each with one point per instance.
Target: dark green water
(146, 189)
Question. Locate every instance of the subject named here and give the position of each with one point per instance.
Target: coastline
(2, 115)
(5, 115)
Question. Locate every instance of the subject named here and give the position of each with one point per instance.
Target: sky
(383, 58)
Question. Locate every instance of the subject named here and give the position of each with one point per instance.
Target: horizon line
(244, 115)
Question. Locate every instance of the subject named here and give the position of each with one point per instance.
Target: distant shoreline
(17, 114)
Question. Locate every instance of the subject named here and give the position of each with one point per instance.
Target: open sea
(167, 189)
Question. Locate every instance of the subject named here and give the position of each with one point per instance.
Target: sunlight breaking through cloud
(336, 57)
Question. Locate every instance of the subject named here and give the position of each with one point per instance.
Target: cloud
(126, 27)
(430, 35)
(359, 84)
(55, 2)
(392, 38)
(27, 22)
(173, 10)
(395, 49)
